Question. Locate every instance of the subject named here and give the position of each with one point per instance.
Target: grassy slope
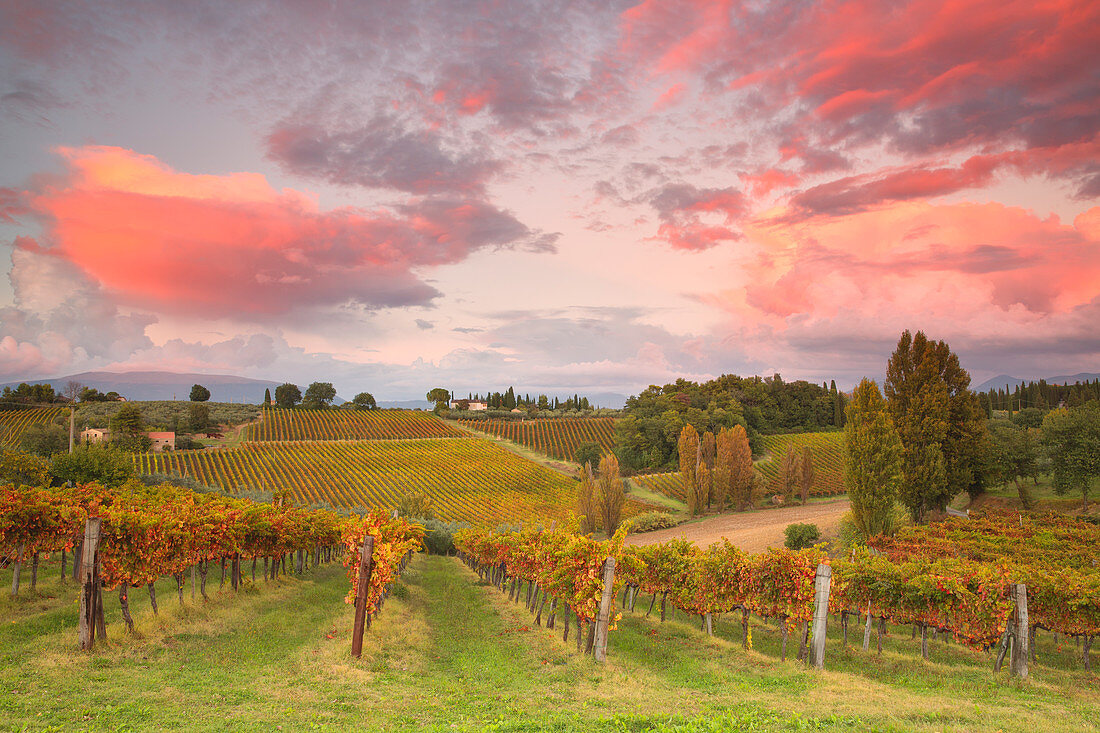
(452, 654)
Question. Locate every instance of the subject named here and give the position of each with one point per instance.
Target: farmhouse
(468, 405)
(162, 440)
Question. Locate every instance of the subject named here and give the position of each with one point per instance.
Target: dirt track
(753, 531)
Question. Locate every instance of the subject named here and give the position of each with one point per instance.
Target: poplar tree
(806, 472)
(788, 474)
(742, 479)
(587, 509)
(611, 494)
(708, 447)
(724, 469)
(872, 460)
(939, 421)
(688, 448)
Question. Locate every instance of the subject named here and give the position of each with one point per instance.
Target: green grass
(451, 653)
(1042, 493)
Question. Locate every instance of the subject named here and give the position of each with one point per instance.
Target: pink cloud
(924, 75)
(233, 246)
(924, 261)
(685, 209)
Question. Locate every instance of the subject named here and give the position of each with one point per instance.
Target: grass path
(451, 653)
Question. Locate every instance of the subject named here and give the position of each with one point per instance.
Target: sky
(562, 196)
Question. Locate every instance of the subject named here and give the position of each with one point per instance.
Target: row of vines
(828, 457)
(555, 437)
(338, 424)
(467, 479)
(967, 597)
(144, 533)
(13, 423)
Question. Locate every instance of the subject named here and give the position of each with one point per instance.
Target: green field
(452, 654)
(468, 479)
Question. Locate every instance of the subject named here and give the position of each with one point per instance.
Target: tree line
(318, 396)
(1039, 396)
(647, 435)
(925, 439)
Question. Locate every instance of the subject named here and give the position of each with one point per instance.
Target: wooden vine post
(1018, 662)
(603, 619)
(821, 614)
(366, 555)
(90, 602)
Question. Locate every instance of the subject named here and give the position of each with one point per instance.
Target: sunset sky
(566, 197)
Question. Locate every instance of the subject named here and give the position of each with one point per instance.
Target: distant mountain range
(164, 385)
(1004, 381)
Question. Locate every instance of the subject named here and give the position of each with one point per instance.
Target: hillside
(557, 437)
(828, 460)
(333, 424)
(468, 479)
(13, 423)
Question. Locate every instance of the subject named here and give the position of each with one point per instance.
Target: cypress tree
(939, 421)
(872, 460)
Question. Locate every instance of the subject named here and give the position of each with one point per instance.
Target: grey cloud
(379, 154)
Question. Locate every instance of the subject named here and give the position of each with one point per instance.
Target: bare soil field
(753, 531)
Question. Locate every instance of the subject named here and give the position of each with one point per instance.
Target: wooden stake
(16, 567)
(1018, 662)
(366, 558)
(867, 630)
(123, 601)
(821, 615)
(89, 592)
(603, 620)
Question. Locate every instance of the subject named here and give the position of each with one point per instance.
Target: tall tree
(939, 421)
(789, 471)
(439, 396)
(199, 393)
(806, 473)
(588, 510)
(1072, 437)
(708, 447)
(688, 447)
(742, 479)
(872, 460)
(287, 395)
(724, 469)
(364, 401)
(318, 395)
(612, 496)
(267, 396)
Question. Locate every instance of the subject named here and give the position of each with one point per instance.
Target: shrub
(589, 453)
(415, 504)
(439, 537)
(801, 535)
(650, 521)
